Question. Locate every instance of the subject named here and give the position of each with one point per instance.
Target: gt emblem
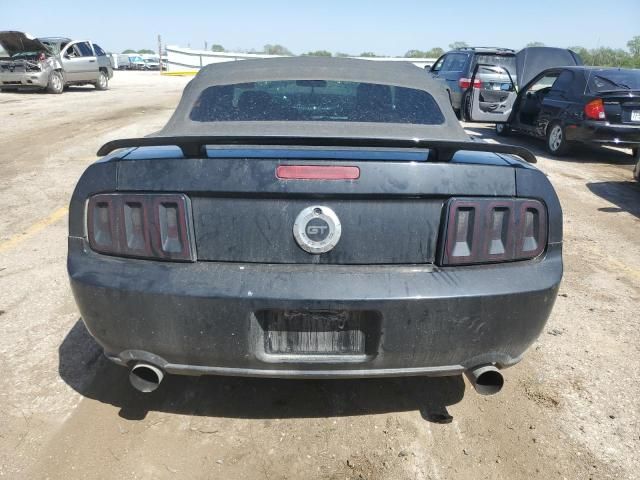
(311, 230)
(317, 229)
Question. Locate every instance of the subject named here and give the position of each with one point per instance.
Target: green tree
(216, 47)
(535, 44)
(342, 54)
(128, 50)
(146, 51)
(609, 57)
(634, 46)
(318, 53)
(276, 50)
(456, 45)
(434, 52)
(368, 54)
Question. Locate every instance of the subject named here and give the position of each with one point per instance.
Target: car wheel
(465, 108)
(636, 170)
(556, 140)
(103, 82)
(503, 129)
(56, 83)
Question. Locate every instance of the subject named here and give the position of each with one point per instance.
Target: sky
(350, 26)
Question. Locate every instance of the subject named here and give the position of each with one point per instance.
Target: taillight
(317, 172)
(466, 83)
(595, 109)
(153, 226)
(493, 230)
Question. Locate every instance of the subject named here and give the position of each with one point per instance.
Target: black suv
(456, 70)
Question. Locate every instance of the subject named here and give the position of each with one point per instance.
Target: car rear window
(614, 80)
(316, 100)
(508, 62)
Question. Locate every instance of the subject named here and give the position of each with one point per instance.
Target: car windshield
(507, 62)
(316, 100)
(608, 80)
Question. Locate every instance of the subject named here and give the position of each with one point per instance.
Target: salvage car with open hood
(51, 63)
(314, 217)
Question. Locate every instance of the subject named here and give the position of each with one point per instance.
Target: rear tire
(465, 107)
(636, 170)
(56, 83)
(556, 140)
(503, 129)
(103, 82)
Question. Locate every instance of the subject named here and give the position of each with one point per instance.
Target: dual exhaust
(486, 379)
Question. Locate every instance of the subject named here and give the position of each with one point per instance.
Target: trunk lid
(18, 42)
(242, 211)
(622, 107)
(531, 61)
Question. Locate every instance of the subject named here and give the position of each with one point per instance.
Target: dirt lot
(569, 410)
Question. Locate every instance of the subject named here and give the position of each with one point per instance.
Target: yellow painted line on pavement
(180, 73)
(33, 229)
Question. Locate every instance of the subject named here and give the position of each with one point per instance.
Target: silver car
(51, 63)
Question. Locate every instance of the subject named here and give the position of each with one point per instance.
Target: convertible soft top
(313, 68)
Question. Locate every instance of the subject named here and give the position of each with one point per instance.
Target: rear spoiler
(194, 146)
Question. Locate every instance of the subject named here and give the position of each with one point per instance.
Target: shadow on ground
(83, 367)
(41, 91)
(578, 153)
(625, 195)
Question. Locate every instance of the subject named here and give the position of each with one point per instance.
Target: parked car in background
(377, 239)
(593, 105)
(529, 62)
(455, 69)
(151, 63)
(130, 62)
(51, 63)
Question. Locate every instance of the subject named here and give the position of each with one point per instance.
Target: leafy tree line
(603, 56)
(606, 56)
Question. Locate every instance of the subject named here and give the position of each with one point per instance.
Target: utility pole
(205, 45)
(160, 53)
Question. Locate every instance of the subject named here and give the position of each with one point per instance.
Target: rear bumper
(24, 79)
(200, 318)
(605, 133)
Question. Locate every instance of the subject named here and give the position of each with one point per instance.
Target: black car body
(592, 105)
(455, 69)
(311, 217)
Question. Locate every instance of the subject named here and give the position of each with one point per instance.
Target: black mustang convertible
(314, 218)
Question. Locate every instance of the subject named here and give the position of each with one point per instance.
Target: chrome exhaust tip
(486, 379)
(145, 378)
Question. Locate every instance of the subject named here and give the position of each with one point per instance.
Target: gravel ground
(569, 410)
